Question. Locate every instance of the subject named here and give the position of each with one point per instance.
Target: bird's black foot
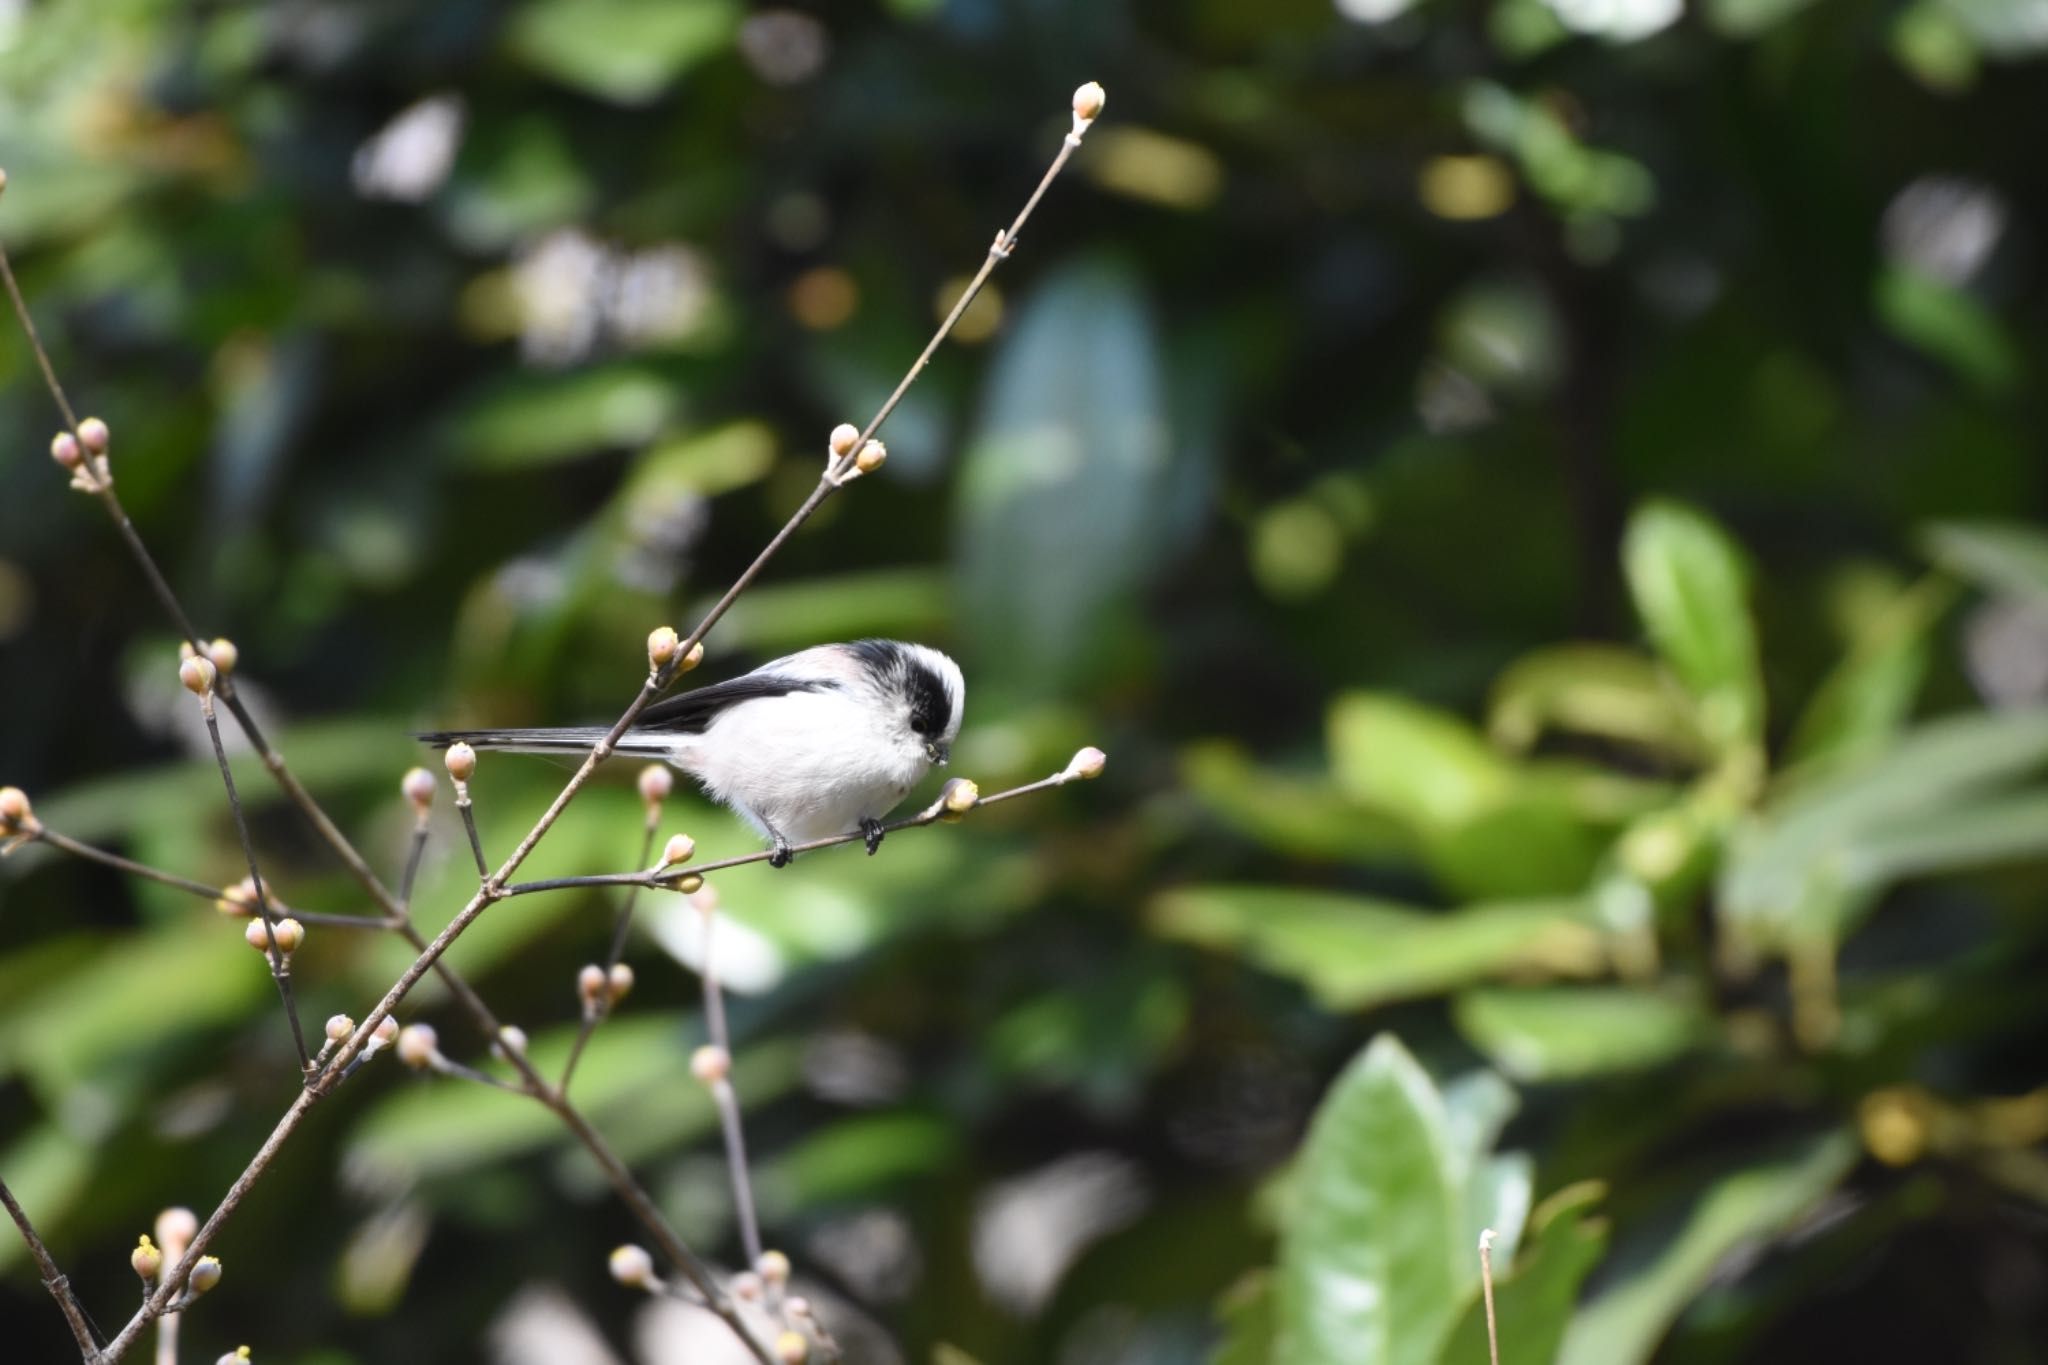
(872, 831)
(782, 854)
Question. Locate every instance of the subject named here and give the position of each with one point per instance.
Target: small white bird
(818, 743)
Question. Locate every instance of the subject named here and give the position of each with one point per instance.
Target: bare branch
(54, 1279)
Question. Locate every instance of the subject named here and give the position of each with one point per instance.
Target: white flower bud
(339, 1027)
(689, 884)
(679, 849)
(238, 900)
(661, 646)
(460, 761)
(417, 786)
(224, 655)
(746, 1285)
(871, 457)
(511, 1042)
(198, 675)
(632, 1267)
(205, 1275)
(64, 450)
(1086, 763)
(93, 432)
(591, 986)
(692, 659)
(619, 984)
(383, 1035)
(842, 439)
(238, 1356)
(175, 1229)
(960, 795)
(1088, 102)
(792, 1349)
(656, 782)
(288, 933)
(16, 815)
(773, 1268)
(418, 1045)
(146, 1259)
(710, 1064)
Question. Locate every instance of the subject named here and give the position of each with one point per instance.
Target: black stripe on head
(884, 660)
(930, 707)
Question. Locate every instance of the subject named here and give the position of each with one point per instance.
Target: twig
(54, 1279)
(661, 877)
(728, 1102)
(601, 1007)
(280, 962)
(476, 845)
(79, 849)
(1486, 1287)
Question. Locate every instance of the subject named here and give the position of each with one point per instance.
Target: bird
(818, 743)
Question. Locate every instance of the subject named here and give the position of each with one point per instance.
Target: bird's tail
(546, 740)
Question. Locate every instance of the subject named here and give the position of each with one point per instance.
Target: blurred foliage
(1539, 500)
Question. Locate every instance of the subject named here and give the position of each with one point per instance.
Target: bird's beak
(938, 753)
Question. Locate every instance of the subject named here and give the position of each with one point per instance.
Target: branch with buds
(175, 1268)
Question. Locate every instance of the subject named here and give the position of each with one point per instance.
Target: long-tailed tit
(819, 743)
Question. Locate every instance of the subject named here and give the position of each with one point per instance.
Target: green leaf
(1307, 817)
(1980, 833)
(1690, 583)
(1249, 1319)
(1866, 699)
(1605, 691)
(1950, 325)
(1533, 1300)
(1660, 1272)
(1352, 952)
(538, 419)
(1370, 1268)
(1999, 556)
(1061, 479)
(1566, 1033)
(1424, 765)
(1795, 871)
(854, 1158)
(626, 51)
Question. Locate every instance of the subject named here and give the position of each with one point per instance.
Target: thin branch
(661, 877)
(1486, 1285)
(280, 963)
(728, 1103)
(54, 1279)
(599, 1008)
(476, 845)
(79, 849)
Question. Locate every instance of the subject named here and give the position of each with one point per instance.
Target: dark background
(450, 348)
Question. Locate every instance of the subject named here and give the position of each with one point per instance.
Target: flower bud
(619, 984)
(238, 900)
(632, 1267)
(773, 1268)
(147, 1260)
(662, 642)
(460, 761)
(93, 432)
(797, 1307)
(288, 933)
(792, 1349)
(591, 986)
(64, 450)
(746, 1285)
(692, 659)
(1088, 102)
(511, 1042)
(339, 1027)
(1086, 763)
(238, 1356)
(417, 786)
(417, 1045)
(198, 676)
(872, 454)
(689, 884)
(656, 782)
(960, 795)
(383, 1034)
(175, 1229)
(679, 849)
(205, 1275)
(710, 1064)
(15, 813)
(224, 655)
(842, 439)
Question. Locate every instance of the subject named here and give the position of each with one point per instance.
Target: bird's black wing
(689, 712)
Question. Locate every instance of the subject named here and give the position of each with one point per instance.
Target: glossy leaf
(1659, 1273)
(1418, 763)
(1690, 583)
(1352, 952)
(1572, 1032)
(1307, 816)
(1370, 1270)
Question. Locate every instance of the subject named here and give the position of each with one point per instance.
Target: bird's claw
(871, 830)
(782, 854)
